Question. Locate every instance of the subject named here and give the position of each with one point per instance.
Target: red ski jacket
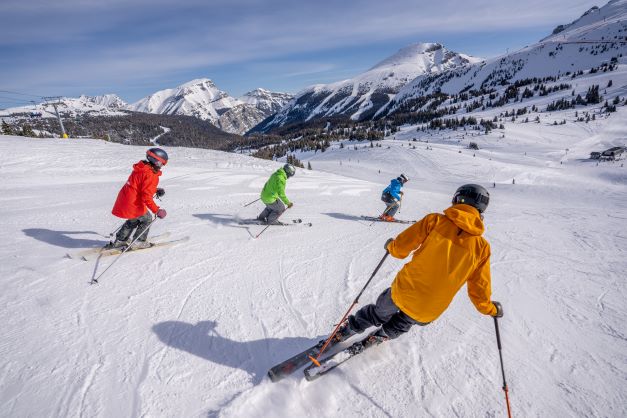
(137, 193)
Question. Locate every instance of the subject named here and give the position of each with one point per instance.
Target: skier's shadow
(255, 357)
(63, 238)
(344, 216)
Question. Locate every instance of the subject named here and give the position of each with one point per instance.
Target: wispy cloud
(82, 42)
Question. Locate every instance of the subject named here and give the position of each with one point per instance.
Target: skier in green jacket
(273, 195)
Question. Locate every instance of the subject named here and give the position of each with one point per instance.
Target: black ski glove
(388, 243)
(160, 192)
(499, 309)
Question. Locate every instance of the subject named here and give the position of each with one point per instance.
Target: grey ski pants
(272, 211)
(392, 204)
(384, 312)
(138, 224)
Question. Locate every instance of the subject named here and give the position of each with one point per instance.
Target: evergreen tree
(6, 128)
(28, 131)
(308, 165)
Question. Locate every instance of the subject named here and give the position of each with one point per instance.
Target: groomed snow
(191, 330)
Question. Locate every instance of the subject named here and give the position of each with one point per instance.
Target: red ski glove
(161, 213)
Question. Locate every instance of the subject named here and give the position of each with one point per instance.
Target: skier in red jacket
(135, 198)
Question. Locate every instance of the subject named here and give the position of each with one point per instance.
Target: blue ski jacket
(394, 189)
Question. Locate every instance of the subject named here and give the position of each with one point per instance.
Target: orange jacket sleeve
(412, 238)
(479, 285)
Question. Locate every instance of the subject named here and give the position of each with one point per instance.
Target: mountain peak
(409, 54)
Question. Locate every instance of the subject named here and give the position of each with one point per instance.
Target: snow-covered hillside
(202, 98)
(191, 330)
(362, 96)
(592, 40)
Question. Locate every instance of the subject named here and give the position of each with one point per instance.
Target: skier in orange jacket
(448, 251)
(135, 198)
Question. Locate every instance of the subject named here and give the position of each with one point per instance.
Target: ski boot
(140, 245)
(375, 338)
(387, 218)
(344, 332)
(116, 244)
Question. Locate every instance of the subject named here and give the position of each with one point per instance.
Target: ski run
(192, 329)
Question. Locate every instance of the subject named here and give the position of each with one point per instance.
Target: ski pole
(248, 204)
(125, 250)
(116, 231)
(498, 343)
(262, 231)
(355, 302)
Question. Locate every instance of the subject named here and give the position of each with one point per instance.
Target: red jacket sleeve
(148, 190)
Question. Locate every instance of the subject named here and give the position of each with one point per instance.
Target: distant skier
(392, 196)
(136, 197)
(273, 195)
(448, 251)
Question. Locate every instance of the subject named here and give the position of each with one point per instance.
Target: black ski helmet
(473, 195)
(289, 170)
(402, 178)
(157, 157)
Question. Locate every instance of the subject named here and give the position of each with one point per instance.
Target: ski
(116, 251)
(86, 253)
(329, 363)
(377, 219)
(289, 366)
(295, 222)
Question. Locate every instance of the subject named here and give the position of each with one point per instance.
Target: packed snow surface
(191, 330)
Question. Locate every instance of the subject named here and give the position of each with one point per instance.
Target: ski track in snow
(190, 330)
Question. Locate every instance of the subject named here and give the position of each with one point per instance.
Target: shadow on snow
(63, 238)
(255, 357)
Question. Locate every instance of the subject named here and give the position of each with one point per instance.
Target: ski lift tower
(55, 104)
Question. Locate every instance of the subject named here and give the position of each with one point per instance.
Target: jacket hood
(466, 217)
(142, 166)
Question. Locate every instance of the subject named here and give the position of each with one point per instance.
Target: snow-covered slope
(363, 95)
(594, 39)
(191, 330)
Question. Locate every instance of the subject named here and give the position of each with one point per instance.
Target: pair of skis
(99, 252)
(377, 219)
(294, 222)
(323, 366)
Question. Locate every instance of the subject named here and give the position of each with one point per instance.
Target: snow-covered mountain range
(203, 99)
(363, 96)
(592, 40)
(200, 98)
(105, 105)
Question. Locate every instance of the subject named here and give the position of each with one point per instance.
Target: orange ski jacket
(448, 252)
(137, 193)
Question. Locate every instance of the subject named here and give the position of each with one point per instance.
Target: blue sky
(136, 47)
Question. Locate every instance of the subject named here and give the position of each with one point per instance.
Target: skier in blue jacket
(392, 196)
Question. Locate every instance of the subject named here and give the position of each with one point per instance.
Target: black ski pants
(138, 224)
(384, 312)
